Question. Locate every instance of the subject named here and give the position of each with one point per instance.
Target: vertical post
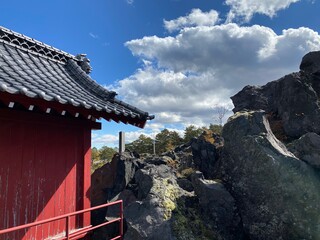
(121, 142)
(154, 146)
(84, 219)
(67, 227)
(121, 220)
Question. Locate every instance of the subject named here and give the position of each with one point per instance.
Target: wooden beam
(63, 109)
(27, 116)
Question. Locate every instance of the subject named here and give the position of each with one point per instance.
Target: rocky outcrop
(112, 178)
(157, 194)
(259, 181)
(205, 155)
(277, 194)
(160, 196)
(293, 99)
(307, 148)
(311, 62)
(219, 206)
(108, 182)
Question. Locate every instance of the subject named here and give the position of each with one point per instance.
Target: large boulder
(107, 183)
(311, 62)
(219, 207)
(204, 155)
(307, 148)
(113, 177)
(149, 217)
(277, 194)
(293, 99)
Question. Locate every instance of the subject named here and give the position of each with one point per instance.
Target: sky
(180, 60)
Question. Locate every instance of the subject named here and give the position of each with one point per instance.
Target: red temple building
(48, 107)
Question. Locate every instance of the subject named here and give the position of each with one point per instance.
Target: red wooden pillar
(86, 175)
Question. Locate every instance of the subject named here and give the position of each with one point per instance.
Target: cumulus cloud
(221, 46)
(113, 139)
(185, 76)
(195, 18)
(104, 140)
(181, 80)
(245, 9)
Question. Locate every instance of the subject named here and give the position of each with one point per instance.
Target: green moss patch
(189, 223)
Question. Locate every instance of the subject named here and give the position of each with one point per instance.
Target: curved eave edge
(59, 107)
(87, 82)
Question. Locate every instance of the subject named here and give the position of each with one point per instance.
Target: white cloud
(95, 36)
(245, 9)
(195, 18)
(151, 130)
(104, 140)
(112, 140)
(185, 75)
(130, 2)
(221, 45)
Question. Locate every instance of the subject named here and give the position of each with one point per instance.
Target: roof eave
(68, 109)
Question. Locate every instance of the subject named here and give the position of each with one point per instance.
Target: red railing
(76, 233)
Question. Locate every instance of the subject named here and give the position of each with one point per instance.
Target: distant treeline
(164, 141)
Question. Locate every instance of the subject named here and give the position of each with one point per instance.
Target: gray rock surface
(205, 155)
(109, 180)
(307, 148)
(149, 217)
(219, 206)
(185, 184)
(293, 100)
(107, 183)
(278, 195)
(311, 62)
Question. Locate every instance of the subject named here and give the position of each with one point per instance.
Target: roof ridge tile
(31, 45)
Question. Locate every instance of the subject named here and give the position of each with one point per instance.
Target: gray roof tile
(36, 70)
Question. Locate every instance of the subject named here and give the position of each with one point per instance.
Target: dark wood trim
(57, 108)
(43, 118)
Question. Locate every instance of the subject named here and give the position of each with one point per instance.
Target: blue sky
(177, 59)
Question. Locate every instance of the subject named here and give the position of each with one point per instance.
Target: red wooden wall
(44, 171)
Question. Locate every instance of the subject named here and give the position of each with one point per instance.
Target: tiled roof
(38, 71)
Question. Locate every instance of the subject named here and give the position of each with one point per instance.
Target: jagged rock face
(204, 156)
(278, 195)
(157, 192)
(294, 99)
(111, 179)
(160, 205)
(108, 182)
(311, 62)
(307, 148)
(219, 206)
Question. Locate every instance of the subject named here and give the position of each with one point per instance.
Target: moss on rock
(189, 223)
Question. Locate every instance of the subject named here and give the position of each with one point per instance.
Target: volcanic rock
(293, 99)
(277, 194)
